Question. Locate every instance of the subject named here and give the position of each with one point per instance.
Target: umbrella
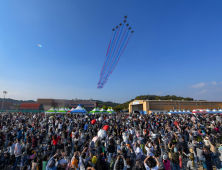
(59, 116)
(50, 117)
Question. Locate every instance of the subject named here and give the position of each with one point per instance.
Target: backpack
(112, 163)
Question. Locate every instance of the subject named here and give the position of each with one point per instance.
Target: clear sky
(176, 48)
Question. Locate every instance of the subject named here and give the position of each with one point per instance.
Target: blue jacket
(86, 127)
(19, 134)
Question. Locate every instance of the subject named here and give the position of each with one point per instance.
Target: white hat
(165, 157)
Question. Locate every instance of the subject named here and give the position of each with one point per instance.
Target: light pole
(5, 92)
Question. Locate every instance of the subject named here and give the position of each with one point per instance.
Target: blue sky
(175, 49)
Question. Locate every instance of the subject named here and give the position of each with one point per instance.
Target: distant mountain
(18, 102)
(151, 97)
(100, 103)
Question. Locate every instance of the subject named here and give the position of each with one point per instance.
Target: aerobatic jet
(125, 17)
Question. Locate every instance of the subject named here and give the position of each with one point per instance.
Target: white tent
(71, 109)
(111, 111)
(79, 110)
(175, 112)
(95, 111)
(51, 111)
(62, 110)
(103, 111)
(189, 112)
(215, 111)
(170, 112)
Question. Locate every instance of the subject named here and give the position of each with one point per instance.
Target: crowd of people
(110, 142)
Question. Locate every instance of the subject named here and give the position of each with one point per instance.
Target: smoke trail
(110, 56)
(118, 47)
(114, 52)
(106, 54)
(121, 53)
(116, 58)
(106, 59)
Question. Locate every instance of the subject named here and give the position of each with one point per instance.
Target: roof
(30, 106)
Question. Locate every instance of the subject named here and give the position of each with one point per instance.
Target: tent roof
(79, 109)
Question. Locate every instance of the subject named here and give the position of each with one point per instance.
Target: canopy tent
(50, 111)
(215, 111)
(71, 109)
(203, 111)
(220, 111)
(62, 110)
(95, 111)
(79, 110)
(84, 108)
(189, 112)
(179, 112)
(209, 111)
(170, 112)
(175, 112)
(56, 109)
(184, 111)
(195, 111)
(67, 109)
(103, 111)
(111, 111)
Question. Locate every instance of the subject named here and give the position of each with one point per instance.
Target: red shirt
(55, 142)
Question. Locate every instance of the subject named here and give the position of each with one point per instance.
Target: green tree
(105, 107)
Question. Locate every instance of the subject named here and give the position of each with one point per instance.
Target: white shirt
(149, 151)
(60, 125)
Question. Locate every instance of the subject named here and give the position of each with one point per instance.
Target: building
(7, 105)
(164, 106)
(31, 106)
(88, 105)
(49, 103)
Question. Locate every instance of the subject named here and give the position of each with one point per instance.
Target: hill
(151, 97)
(105, 105)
